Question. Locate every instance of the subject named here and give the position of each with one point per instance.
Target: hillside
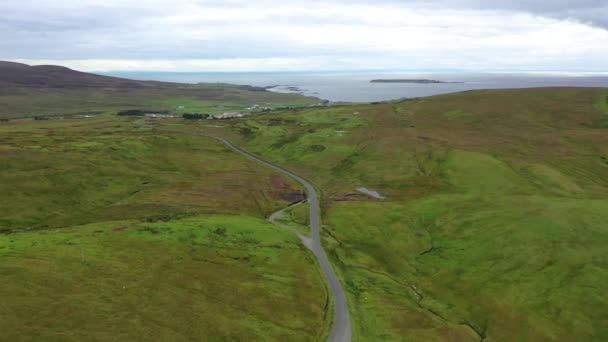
(109, 231)
(50, 76)
(46, 90)
(496, 217)
(494, 225)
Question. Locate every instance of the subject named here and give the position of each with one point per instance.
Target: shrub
(317, 148)
(132, 112)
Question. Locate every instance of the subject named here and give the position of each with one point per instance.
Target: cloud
(593, 12)
(184, 35)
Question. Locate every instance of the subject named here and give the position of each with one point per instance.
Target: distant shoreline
(423, 81)
(356, 87)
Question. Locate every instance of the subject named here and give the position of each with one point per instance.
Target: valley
(493, 224)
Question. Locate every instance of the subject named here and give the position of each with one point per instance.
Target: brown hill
(51, 76)
(48, 90)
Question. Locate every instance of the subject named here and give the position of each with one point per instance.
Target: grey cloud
(589, 11)
(72, 29)
(594, 12)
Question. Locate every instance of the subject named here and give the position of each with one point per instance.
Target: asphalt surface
(341, 329)
(276, 217)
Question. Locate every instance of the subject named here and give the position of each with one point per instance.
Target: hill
(50, 76)
(46, 90)
(110, 231)
(494, 224)
(496, 217)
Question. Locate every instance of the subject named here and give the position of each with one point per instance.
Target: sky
(307, 35)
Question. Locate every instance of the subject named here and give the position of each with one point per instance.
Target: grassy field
(62, 173)
(496, 217)
(201, 278)
(116, 232)
(233, 99)
(602, 104)
(494, 227)
(295, 217)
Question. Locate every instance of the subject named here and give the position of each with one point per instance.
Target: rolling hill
(51, 76)
(496, 218)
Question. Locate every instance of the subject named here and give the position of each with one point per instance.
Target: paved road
(341, 330)
(276, 217)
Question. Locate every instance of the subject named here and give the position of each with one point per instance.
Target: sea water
(356, 86)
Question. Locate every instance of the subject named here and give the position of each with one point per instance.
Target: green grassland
(68, 172)
(232, 99)
(494, 227)
(296, 217)
(602, 104)
(113, 231)
(496, 220)
(201, 278)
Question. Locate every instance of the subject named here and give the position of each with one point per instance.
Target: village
(181, 111)
(254, 109)
(227, 115)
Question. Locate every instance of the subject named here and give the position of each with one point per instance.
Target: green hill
(494, 225)
(496, 220)
(111, 231)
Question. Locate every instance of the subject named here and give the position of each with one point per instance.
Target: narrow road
(341, 330)
(276, 217)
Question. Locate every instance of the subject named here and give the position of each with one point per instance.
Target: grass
(467, 263)
(494, 226)
(64, 173)
(296, 217)
(602, 104)
(495, 218)
(235, 101)
(115, 231)
(204, 277)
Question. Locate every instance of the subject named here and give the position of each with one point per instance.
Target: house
(157, 115)
(230, 115)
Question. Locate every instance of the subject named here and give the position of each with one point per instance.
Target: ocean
(356, 86)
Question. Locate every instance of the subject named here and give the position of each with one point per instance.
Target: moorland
(493, 228)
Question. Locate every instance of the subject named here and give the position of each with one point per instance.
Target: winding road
(341, 329)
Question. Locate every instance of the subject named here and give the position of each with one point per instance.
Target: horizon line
(456, 71)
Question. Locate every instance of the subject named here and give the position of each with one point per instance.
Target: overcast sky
(265, 35)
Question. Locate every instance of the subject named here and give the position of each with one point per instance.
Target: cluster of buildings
(231, 115)
(158, 115)
(258, 108)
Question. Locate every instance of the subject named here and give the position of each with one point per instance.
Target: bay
(356, 86)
